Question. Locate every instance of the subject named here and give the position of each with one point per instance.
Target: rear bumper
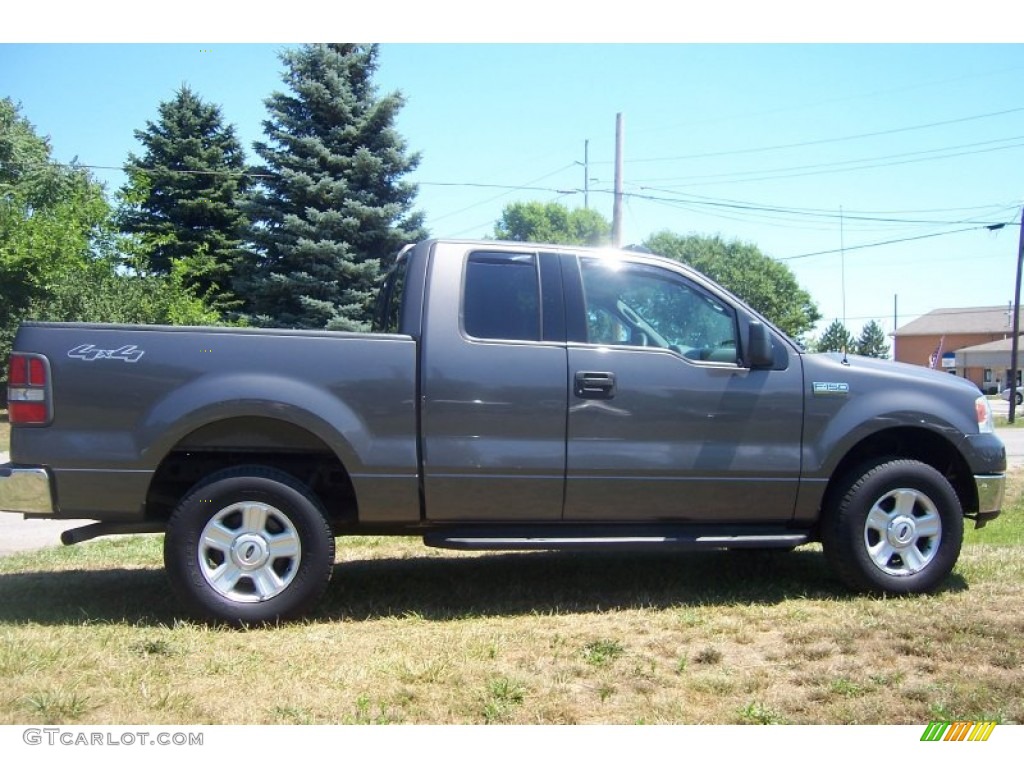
(25, 489)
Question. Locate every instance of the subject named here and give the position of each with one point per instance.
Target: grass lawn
(5, 432)
(406, 634)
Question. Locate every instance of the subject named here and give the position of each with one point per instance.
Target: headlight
(984, 413)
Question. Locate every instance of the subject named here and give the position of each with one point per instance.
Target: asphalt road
(18, 534)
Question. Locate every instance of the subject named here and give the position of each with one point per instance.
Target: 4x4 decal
(127, 354)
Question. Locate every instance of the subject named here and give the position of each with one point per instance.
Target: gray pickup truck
(512, 396)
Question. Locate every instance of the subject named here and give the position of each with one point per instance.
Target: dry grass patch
(5, 432)
(407, 634)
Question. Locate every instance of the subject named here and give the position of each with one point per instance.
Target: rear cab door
(494, 386)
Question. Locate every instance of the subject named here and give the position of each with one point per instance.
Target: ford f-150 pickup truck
(512, 396)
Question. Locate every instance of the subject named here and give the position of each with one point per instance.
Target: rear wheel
(249, 545)
(894, 528)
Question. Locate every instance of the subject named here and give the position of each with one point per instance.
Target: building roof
(1002, 345)
(961, 320)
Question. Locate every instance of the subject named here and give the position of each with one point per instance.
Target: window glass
(388, 315)
(502, 297)
(638, 305)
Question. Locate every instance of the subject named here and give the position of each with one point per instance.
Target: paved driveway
(18, 534)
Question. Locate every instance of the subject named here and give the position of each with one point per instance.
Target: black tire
(249, 545)
(895, 528)
(1019, 398)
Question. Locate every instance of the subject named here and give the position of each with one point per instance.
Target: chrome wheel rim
(249, 552)
(902, 532)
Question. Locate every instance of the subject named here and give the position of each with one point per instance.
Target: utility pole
(617, 207)
(1016, 322)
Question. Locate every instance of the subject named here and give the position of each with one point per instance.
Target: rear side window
(388, 312)
(502, 297)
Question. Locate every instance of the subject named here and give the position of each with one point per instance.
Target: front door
(665, 422)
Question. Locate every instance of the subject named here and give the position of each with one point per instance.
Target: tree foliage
(59, 252)
(50, 217)
(871, 342)
(765, 284)
(836, 338)
(182, 199)
(331, 202)
(536, 222)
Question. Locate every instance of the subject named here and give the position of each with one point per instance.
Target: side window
(644, 306)
(388, 312)
(501, 299)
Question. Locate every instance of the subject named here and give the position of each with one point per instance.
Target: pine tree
(836, 339)
(871, 342)
(330, 204)
(183, 195)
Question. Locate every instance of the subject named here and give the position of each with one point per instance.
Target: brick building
(971, 342)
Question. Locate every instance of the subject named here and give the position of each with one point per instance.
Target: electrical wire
(815, 142)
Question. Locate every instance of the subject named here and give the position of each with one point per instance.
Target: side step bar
(680, 541)
(87, 532)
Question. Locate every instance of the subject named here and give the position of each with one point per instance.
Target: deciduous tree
(551, 223)
(766, 284)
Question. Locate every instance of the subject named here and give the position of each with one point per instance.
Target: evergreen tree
(872, 341)
(182, 198)
(836, 339)
(330, 203)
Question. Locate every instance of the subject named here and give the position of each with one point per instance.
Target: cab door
(494, 386)
(666, 423)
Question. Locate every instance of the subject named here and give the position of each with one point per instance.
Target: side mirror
(760, 353)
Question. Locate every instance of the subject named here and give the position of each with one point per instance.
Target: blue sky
(799, 149)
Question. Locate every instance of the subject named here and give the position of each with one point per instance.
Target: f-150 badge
(831, 388)
(127, 354)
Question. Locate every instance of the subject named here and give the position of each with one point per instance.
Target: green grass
(5, 432)
(91, 634)
(1003, 422)
(406, 634)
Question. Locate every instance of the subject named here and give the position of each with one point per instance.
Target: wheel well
(907, 443)
(253, 441)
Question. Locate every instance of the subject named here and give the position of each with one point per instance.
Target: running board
(95, 530)
(772, 541)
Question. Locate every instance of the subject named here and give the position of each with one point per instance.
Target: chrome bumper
(25, 489)
(990, 493)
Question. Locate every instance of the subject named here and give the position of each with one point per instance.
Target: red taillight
(18, 372)
(28, 389)
(36, 372)
(28, 413)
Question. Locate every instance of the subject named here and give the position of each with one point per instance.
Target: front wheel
(249, 545)
(894, 528)
(1019, 397)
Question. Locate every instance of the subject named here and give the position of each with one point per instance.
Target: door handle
(595, 385)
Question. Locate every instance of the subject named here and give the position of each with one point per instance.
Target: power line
(814, 142)
(810, 212)
(834, 100)
(498, 197)
(884, 243)
(819, 168)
